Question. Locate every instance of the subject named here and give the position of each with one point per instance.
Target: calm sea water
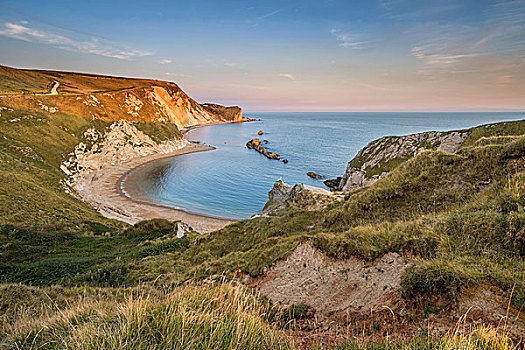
(233, 181)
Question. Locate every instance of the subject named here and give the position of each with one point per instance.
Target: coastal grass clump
(222, 316)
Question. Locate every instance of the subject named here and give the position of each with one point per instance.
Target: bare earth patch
(308, 276)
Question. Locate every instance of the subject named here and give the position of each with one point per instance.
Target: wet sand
(118, 199)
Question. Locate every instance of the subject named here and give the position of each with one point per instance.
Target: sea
(233, 181)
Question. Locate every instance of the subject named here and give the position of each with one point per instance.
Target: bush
(148, 227)
(435, 278)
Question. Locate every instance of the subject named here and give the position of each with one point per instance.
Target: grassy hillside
(30, 81)
(32, 188)
(107, 98)
(459, 217)
(419, 209)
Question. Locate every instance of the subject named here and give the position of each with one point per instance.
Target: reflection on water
(233, 181)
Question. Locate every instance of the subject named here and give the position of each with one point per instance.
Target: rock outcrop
(122, 141)
(381, 156)
(283, 196)
(256, 145)
(351, 286)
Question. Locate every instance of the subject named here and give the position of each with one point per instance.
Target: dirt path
(54, 90)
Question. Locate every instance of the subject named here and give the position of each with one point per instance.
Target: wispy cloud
(499, 38)
(271, 14)
(349, 40)
(178, 75)
(165, 61)
(92, 45)
(439, 57)
(287, 76)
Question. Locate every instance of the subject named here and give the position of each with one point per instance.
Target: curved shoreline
(109, 191)
(105, 193)
(127, 187)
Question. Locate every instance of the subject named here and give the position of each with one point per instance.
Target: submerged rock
(313, 175)
(256, 145)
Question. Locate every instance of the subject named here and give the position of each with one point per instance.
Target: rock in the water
(260, 132)
(284, 196)
(313, 175)
(333, 183)
(265, 141)
(256, 145)
(285, 160)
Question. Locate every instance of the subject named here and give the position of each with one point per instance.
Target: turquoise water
(233, 181)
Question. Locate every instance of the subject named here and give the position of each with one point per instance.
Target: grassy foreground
(210, 317)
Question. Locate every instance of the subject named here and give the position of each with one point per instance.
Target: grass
(219, 316)
(215, 317)
(451, 212)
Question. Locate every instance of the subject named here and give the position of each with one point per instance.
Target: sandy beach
(117, 200)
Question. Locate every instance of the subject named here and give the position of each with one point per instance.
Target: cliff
(381, 156)
(107, 98)
(377, 159)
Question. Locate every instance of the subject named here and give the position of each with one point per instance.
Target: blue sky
(324, 55)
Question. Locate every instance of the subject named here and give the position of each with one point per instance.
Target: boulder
(313, 175)
(333, 183)
(285, 160)
(260, 132)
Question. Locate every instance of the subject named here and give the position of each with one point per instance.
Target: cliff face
(283, 196)
(108, 98)
(379, 157)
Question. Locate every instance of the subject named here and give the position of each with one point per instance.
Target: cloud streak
(349, 40)
(271, 14)
(287, 76)
(92, 45)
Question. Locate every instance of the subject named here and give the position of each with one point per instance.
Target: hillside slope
(107, 98)
(58, 128)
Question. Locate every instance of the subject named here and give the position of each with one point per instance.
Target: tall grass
(206, 317)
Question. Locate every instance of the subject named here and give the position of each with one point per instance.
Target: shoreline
(105, 193)
(117, 200)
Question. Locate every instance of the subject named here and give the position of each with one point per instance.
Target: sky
(287, 55)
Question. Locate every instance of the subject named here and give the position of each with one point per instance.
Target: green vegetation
(32, 187)
(90, 282)
(220, 316)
